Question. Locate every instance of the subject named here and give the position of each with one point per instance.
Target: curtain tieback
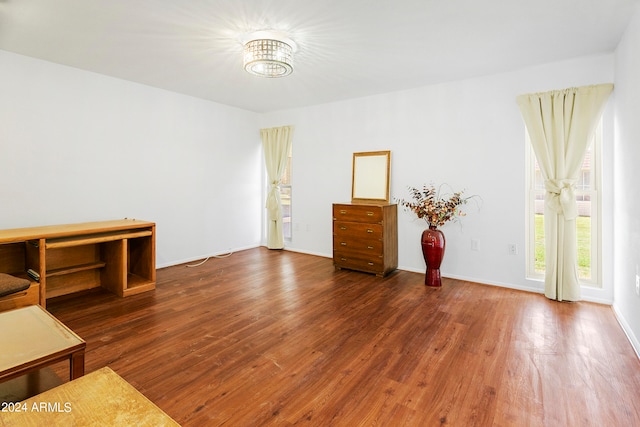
(561, 197)
(272, 204)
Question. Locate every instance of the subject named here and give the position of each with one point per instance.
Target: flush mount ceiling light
(268, 54)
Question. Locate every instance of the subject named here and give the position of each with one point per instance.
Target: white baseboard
(201, 257)
(627, 330)
(308, 252)
(495, 283)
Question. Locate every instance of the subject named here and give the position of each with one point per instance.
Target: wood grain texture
(69, 230)
(281, 338)
(75, 257)
(365, 237)
(101, 398)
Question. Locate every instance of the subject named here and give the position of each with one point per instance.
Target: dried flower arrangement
(436, 209)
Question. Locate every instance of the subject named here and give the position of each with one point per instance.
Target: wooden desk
(101, 398)
(32, 338)
(118, 255)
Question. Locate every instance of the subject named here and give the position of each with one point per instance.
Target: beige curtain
(276, 143)
(561, 124)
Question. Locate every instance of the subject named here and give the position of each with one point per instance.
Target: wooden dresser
(365, 237)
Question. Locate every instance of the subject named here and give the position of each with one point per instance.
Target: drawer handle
(343, 212)
(369, 230)
(343, 259)
(370, 263)
(342, 227)
(343, 243)
(369, 247)
(369, 213)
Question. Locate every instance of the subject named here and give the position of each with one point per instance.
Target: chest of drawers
(365, 237)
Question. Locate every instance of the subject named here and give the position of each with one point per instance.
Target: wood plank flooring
(280, 338)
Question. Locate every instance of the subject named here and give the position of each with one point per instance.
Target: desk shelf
(75, 268)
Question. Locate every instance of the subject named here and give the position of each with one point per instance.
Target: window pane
(583, 232)
(538, 224)
(539, 182)
(584, 179)
(539, 237)
(286, 175)
(583, 222)
(285, 197)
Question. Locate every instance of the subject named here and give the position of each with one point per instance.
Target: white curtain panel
(561, 124)
(276, 143)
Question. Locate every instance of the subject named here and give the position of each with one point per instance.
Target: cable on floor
(207, 259)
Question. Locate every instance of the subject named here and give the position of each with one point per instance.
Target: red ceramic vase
(433, 250)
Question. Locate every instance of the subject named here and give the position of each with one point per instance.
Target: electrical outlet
(638, 285)
(513, 249)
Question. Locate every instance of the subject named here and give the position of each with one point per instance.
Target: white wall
(627, 180)
(77, 146)
(468, 134)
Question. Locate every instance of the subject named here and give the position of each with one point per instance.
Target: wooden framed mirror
(370, 179)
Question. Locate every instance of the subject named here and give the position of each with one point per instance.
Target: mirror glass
(370, 181)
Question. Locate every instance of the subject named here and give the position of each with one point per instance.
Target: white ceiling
(346, 48)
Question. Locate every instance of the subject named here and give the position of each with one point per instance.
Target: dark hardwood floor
(280, 338)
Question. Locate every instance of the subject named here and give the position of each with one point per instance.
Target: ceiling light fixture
(268, 54)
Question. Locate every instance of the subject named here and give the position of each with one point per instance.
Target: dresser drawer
(355, 262)
(365, 247)
(357, 230)
(357, 213)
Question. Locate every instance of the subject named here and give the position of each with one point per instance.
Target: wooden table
(101, 398)
(32, 338)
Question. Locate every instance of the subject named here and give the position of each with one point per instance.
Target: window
(285, 197)
(587, 194)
